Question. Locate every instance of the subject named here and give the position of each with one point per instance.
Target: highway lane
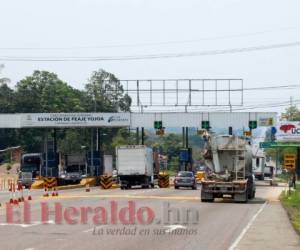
(219, 223)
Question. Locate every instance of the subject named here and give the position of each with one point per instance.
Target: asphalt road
(208, 225)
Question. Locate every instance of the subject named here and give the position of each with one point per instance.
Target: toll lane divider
(163, 180)
(106, 181)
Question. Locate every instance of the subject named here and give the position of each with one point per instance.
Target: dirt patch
(11, 173)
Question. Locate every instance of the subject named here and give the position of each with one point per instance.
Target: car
(185, 179)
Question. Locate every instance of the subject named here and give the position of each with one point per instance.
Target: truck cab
(74, 168)
(30, 168)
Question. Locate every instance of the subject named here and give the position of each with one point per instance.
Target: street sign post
(267, 144)
(289, 162)
(278, 144)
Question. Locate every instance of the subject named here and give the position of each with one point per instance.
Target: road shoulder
(270, 230)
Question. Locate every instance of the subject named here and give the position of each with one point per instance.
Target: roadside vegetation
(292, 205)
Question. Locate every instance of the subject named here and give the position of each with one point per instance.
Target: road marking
(35, 223)
(128, 197)
(238, 239)
(31, 248)
(174, 227)
(92, 229)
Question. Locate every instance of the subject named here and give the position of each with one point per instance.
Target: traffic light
(247, 133)
(160, 132)
(201, 132)
(158, 124)
(252, 124)
(205, 125)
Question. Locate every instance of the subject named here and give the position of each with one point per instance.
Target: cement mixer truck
(229, 162)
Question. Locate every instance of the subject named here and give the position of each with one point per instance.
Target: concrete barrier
(88, 181)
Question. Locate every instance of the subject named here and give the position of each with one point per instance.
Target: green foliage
(292, 204)
(291, 113)
(44, 92)
(106, 94)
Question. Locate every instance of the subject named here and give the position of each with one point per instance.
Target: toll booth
(185, 159)
(95, 163)
(50, 164)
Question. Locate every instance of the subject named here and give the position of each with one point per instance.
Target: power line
(150, 56)
(155, 43)
(273, 87)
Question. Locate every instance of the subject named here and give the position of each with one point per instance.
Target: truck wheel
(246, 195)
(207, 200)
(152, 185)
(176, 187)
(194, 187)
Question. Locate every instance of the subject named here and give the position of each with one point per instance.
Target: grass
(282, 178)
(292, 204)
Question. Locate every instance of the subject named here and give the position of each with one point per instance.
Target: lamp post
(83, 147)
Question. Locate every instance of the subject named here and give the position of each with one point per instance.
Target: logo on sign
(287, 127)
(117, 119)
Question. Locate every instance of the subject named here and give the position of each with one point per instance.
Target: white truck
(229, 159)
(135, 166)
(258, 162)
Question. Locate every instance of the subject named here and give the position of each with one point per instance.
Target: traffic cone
(15, 202)
(22, 194)
(45, 192)
(54, 192)
(11, 200)
(29, 196)
(87, 188)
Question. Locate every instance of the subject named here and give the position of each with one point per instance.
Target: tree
(106, 94)
(6, 95)
(291, 113)
(3, 80)
(7, 136)
(45, 92)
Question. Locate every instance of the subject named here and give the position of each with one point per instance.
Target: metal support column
(137, 136)
(143, 136)
(183, 137)
(92, 152)
(186, 137)
(46, 151)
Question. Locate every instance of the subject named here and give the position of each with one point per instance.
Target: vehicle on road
(30, 168)
(185, 179)
(135, 166)
(74, 169)
(268, 171)
(258, 164)
(230, 159)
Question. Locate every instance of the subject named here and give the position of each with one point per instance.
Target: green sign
(158, 124)
(205, 125)
(267, 144)
(278, 145)
(252, 124)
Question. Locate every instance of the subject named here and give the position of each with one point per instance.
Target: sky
(117, 28)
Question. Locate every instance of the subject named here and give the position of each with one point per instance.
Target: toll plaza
(137, 121)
